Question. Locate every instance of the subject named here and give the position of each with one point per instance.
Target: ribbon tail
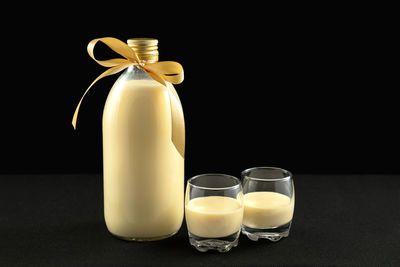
(177, 120)
(108, 72)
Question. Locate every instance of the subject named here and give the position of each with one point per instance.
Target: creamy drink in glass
(268, 203)
(214, 211)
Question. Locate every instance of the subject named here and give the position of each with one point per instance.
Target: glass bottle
(143, 153)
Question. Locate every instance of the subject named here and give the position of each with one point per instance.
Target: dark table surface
(57, 220)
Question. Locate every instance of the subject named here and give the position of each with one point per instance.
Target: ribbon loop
(116, 45)
(169, 71)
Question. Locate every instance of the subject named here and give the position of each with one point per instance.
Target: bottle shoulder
(137, 87)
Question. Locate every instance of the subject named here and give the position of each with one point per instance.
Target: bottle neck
(145, 48)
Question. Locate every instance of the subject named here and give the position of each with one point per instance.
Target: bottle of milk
(143, 153)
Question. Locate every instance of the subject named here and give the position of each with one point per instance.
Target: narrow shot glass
(214, 211)
(268, 203)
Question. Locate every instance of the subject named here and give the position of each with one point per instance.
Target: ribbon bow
(162, 72)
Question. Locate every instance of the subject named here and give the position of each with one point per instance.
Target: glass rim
(237, 180)
(287, 177)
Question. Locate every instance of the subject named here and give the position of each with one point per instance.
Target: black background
(308, 88)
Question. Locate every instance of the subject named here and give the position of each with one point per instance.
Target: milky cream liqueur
(143, 167)
(267, 209)
(214, 216)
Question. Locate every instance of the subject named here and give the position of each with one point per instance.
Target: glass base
(143, 239)
(272, 234)
(221, 244)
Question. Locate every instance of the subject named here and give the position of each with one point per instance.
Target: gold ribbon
(162, 72)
